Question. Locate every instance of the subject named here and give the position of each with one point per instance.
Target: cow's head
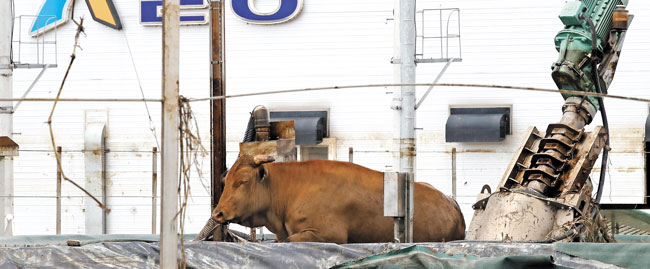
(245, 193)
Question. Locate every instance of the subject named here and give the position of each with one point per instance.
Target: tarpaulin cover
(624, 255)
(142, 252)
(625, 238)
(423, 257)
(199, 255)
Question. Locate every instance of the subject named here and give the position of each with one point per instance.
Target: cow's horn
(260, 159)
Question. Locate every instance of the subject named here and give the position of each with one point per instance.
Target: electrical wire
(595, 59)
(385, 85)
(603, 113)
(152, 126)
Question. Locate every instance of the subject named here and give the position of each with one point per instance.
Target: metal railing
(427, 33)
(37, 50)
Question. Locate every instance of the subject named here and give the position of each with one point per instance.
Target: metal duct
(94, 161)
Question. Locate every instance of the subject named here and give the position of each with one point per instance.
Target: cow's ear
(263, 174)
(261, 159)
(223, 178)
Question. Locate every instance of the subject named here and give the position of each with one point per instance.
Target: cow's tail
(455, 202)
(462, 219)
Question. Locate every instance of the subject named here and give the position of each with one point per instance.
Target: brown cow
(327, 201)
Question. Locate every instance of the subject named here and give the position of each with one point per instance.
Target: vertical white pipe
(170, 137)
(404, 105)
(397, 93)
(407, 116)
(6, 121)
(94, 168)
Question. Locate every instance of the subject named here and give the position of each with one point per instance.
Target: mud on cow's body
(327, 201)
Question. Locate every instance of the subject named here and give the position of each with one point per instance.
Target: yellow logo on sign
(53, 13)
(104, 12)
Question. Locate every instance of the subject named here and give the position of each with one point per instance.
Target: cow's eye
(239, 183)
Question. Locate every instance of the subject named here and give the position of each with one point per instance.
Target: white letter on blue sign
(288, 10)
(192, 12)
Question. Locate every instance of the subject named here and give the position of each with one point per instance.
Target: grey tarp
(423, 257)
(61, 240)
(143, 253)
(624, 254)
(199, 255)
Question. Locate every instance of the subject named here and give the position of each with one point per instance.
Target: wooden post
(253, 234)
(218, 107)
(453, 173)
(351, 155)
(154, 188)
(170, 135)
(58, 195)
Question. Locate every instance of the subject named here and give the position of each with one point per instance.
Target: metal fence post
(453, 173)
(154, 188)
(351, 155)
(58, 195)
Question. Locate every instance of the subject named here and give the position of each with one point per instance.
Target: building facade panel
(330, 43)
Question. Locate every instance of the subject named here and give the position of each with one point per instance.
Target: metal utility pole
(6, 120)
(170, 136)
(404, 116)
(218, 107)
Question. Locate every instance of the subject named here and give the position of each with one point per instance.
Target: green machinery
(546, 193)
(578, 47)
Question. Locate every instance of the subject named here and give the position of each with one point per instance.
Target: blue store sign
(287, 10)
(192, 12)
(196, 11)
(54, 13)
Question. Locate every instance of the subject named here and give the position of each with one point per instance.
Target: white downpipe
(94, 167)
(404, 104)
(6, 118)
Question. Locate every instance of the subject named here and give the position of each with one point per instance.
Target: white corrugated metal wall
(331, 42)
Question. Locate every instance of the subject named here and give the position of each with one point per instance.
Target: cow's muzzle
(219, 217)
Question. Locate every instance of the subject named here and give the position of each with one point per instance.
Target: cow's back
(349, 197)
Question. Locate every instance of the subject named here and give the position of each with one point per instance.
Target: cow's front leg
(307, 235)
(315, 235)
